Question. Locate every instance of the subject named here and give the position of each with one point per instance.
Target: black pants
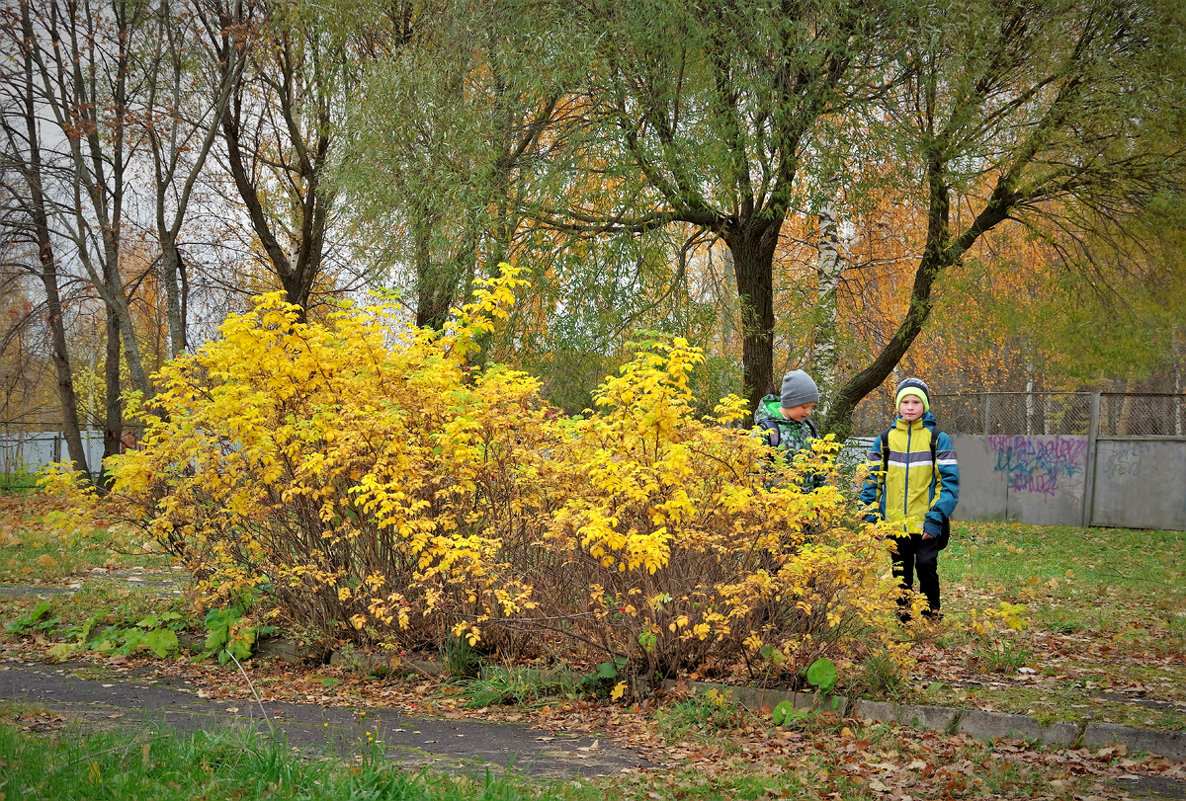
(915, 553)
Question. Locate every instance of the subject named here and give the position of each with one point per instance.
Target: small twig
(1123, 577)
(258, 700)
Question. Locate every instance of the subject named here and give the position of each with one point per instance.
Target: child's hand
(930, 530)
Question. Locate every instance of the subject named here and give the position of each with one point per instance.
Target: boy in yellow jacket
(916, 486)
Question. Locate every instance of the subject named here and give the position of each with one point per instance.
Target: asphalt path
(456, 745)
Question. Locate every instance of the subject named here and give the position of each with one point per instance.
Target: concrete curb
(976, 723)
(1169, 744)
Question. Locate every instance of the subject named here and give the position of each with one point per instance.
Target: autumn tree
(102, 92)
(32, 205)
(180, 115)
(445, 139)
(26, 374)
(704, 115)
(282, 129)
(1057, 116)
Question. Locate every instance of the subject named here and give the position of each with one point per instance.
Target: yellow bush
(676, 550)
(372, 486)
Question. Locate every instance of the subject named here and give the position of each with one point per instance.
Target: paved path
(464, 744)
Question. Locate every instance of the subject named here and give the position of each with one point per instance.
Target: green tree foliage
(705, 115)
(452, 122)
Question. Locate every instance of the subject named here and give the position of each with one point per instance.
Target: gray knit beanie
(797, 389)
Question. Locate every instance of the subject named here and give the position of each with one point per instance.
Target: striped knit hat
(916, 387)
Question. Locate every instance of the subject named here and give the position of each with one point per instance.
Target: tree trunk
(1179, 410)
(828, 268)
(174, 294)
(113, 414)
(48, 270)
(752, 247)
(432, 305)
(940, 253)
(1030, 413)
(67, 398)
(729, 299)
(1124, 419)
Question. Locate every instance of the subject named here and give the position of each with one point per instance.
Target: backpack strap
(774, 435)
(946, 528)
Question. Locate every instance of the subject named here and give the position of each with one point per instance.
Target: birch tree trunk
(829, 266)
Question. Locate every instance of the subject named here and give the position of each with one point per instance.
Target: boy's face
(911, 407)
(798, 413)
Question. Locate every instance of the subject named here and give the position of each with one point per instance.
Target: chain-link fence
(1142, 415)
(25, 452)
(1065, 413)
(1014, 412)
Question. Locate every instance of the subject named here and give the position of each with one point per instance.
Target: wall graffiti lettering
(1037, 464)
(1125, 461)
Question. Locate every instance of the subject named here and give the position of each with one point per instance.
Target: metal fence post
(987, 411)
(1093, 425)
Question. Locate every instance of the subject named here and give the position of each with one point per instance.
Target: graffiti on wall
(1125, 461)
(1038, 464)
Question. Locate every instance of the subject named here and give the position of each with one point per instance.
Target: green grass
(226, 763)
(20, 480)
(237, 763)
(519, 686)
(703, 717)
(1099, 582)
(45, 545)
(1100, 620)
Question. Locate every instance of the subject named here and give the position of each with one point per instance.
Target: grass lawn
(1099, 637)
(223, 764)
(1105, 624)
(744, 759)
(1096, 639)
(40, 544)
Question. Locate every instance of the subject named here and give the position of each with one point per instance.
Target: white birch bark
(829, 266)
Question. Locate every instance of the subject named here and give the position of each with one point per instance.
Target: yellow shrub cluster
(373, 486)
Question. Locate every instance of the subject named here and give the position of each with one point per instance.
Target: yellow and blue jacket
(920, 484)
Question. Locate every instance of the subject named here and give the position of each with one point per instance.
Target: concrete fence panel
(1140, 484)
(1048, 480)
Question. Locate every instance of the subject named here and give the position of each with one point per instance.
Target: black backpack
(945, 531)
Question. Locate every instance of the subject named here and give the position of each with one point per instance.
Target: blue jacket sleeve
(871, 491)
(948, 485)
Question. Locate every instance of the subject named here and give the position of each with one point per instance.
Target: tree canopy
(798, 184)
